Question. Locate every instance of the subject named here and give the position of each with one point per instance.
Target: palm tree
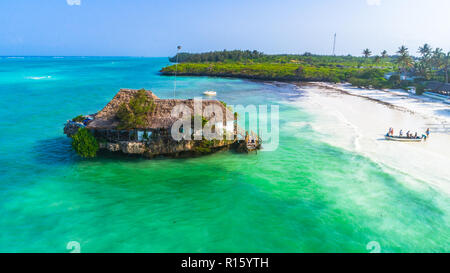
(377, 59)
(437, 57)
(425, 50)
(424, 67)
(367, 53)
(403, 50)
(384, 54)
(404, 61)
(446, 65)
(441, 60)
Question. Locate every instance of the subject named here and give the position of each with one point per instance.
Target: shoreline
(336, 88)
(413, 104)
(345, 89)
(357, 124)
(231, 76)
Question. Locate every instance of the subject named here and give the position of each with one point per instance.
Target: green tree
(384, 54)
(134, 114)
(377, 59)
(84, 143)
(300, 73)
(404, 61)
(423, 69)
(367, 53)
(79, 118)
(394, 80)
(403, 50)
(446, 65)
(425, 50)
(441, 61)
(424, 66)
(437, 59)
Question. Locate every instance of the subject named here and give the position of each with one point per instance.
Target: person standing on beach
(390, 132)
(426, 135)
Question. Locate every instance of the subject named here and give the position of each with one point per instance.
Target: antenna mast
(334, 45)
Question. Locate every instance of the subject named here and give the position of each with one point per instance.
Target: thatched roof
(439, 87)
(159, 118)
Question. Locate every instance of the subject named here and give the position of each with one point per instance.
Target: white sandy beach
(430, 108)
(358, 124)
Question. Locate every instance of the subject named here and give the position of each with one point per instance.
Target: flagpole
(176, 70)
(334, 45)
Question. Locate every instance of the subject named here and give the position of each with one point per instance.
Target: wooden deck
(249, 141)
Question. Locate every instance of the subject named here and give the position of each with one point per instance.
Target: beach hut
(438, 87)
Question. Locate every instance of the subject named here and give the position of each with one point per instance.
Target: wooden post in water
(235, 126)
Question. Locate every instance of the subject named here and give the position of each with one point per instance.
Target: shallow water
(309, 195)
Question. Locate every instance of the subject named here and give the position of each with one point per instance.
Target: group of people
(409, 134)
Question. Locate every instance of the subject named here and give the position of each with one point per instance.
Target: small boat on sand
(403, 139)
(209, 93)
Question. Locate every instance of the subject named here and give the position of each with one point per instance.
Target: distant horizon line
(119, 56)
(79, 56)
(138, 56)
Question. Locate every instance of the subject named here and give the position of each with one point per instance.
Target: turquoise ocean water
(306, 196)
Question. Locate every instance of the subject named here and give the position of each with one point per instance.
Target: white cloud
(373, 2)
(73, 2)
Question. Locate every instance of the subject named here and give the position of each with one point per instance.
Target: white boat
(443, 98)
(210, 93)
(402, 139)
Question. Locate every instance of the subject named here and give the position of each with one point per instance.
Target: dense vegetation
(433, 64)
(308, 59)
(279, 72)
(218, 56)
(79, 118)
(204, 146)
(305, 67)
(364, 71)
(134, 114)
(84, 143)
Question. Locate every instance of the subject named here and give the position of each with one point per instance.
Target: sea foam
(39, 78)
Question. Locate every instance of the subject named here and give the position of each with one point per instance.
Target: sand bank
(358, 124)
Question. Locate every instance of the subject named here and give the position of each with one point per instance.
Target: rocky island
(137, 122)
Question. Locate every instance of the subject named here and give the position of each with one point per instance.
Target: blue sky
(154, 28)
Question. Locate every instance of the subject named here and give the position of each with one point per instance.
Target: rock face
(154, 136)
(132, 147)
(155, 148)
(71, 128)
(113, 147)
(157, 145)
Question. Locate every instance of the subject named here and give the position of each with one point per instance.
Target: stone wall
(160, 143)
(71, 128)
(158, 147)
